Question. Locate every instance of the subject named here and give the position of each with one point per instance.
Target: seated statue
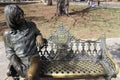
(22, 44)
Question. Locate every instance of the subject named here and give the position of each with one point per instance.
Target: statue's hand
(17, 64)
(40, 42)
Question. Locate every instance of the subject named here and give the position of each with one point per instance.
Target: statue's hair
(12, 13)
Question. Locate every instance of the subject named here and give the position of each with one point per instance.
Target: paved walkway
(102, 4)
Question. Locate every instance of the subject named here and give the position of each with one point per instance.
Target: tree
(49, 2)
(62, 7)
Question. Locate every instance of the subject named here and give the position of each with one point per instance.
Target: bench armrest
(108, 61)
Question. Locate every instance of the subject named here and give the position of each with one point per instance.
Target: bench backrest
(62, 46)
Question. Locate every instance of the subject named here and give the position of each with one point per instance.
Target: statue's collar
(12, 31)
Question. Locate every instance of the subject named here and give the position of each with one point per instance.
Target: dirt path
(113, 45)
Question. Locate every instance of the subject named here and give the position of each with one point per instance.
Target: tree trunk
(49, 2)
(62, 7)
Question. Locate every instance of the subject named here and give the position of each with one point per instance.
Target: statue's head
(14, 16)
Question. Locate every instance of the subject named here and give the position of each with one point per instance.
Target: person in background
(91, 3)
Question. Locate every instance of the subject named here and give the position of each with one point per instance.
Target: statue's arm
(39, 38)
(8, 47)
(39, 41)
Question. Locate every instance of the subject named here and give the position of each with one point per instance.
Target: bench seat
(72, 69)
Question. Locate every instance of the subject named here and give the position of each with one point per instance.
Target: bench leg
(108, 78)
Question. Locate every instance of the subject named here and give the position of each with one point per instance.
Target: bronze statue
(22, 44)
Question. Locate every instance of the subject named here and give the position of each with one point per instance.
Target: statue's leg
(11, 73)
(33, 70)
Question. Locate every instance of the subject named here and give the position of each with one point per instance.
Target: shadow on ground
(82, 12)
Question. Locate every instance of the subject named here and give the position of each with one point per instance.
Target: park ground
(83, 22)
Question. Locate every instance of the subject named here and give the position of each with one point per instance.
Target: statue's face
(14, 16)
(19, 18)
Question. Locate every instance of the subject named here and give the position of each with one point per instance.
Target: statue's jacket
(21, 42)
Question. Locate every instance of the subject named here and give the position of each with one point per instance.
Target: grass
(83, 22)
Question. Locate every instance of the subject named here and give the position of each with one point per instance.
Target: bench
(64, 56)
